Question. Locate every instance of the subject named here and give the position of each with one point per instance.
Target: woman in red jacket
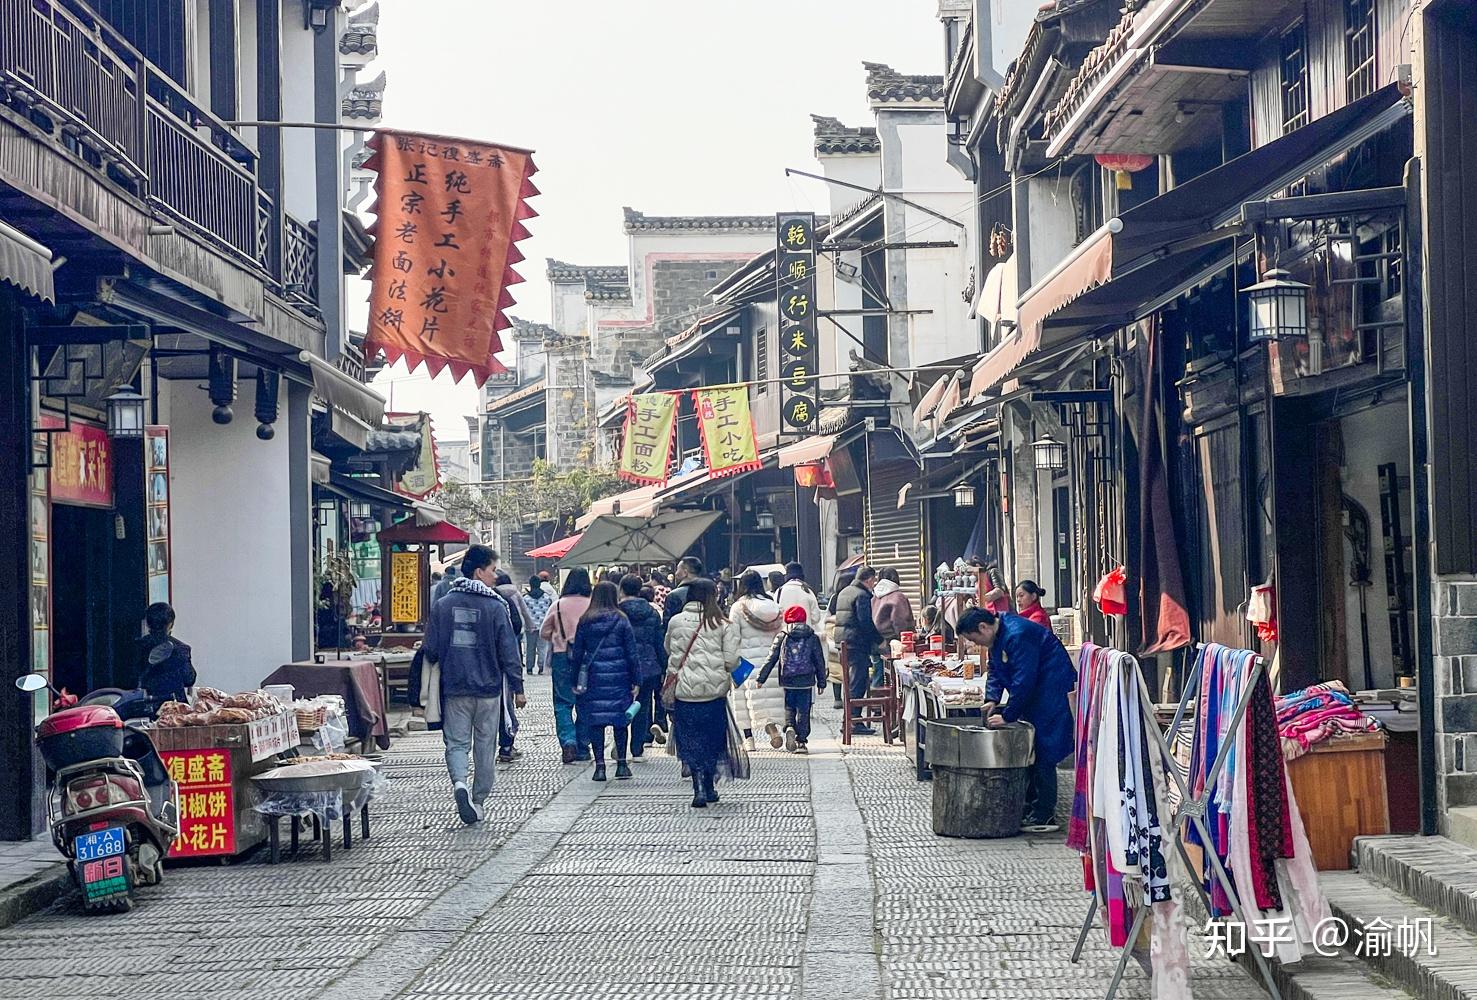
(1028, 603)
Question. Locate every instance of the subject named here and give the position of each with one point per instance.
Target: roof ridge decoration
(527, 329)
(559, 270)
(833, 138)
(366, 100)
(361, 33)
(640, 222)
(886, 85)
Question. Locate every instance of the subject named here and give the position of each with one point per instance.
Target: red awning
(407, 532)
(555, 550)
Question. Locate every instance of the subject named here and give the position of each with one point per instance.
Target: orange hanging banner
(450, 215)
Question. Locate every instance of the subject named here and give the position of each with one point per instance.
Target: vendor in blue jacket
(1031, 664)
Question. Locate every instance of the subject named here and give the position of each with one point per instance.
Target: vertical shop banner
(40, 524)
(423, 477)
(450, 213)
(727, 426)
(405, 588)
(81, 464)
(795, 286)
(651, 426)
(156, 499)
(207, 802)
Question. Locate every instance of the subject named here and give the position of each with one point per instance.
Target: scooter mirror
(31, 682)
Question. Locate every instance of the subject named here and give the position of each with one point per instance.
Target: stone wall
(571, 441)
(1456, 692)
(679, 293)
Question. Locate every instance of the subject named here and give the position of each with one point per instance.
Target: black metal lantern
(267, 386)
(221, 384)
(1050, 454)
(1279, 308)
(963, 495)
(125, 415)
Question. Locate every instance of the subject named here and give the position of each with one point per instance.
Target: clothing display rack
(1190, 811)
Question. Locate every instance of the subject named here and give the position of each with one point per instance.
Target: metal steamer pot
(951, 744)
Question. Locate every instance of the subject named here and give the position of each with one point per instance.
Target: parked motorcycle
(111, 805)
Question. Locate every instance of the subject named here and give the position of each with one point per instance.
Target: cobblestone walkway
(820, 878)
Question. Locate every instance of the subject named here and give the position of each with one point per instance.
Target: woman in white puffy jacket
(702, 650)
(759, 621)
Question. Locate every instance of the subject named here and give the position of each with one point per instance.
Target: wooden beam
(225, 59)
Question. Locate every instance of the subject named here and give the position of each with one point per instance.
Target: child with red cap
(802, 663)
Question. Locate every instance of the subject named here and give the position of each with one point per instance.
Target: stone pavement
(820, 878)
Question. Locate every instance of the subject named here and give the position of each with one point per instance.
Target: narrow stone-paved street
(820, 877)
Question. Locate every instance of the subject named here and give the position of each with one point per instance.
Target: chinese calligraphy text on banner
(450, 213)
(207, 803)
(405, 588)
(796, 295)
(727, 427)
(651, 424)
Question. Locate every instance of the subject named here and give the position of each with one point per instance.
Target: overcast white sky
(673, 107)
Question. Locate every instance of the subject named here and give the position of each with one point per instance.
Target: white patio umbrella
(663, 537)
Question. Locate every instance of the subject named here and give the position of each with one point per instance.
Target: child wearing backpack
(802, 663)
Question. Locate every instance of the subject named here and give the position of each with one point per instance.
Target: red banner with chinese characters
(81, 464)
(450, 213)
(651, 427)
(207, 803)
(727, 426)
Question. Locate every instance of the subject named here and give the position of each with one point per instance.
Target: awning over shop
(690, 340)
(26, 263)
(812, 449)
(364, 491)
(557, 549)
(407, 532)
(1153, 249)
(355, 410)
(645, 501)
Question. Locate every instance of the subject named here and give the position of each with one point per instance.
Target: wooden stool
(880, 702)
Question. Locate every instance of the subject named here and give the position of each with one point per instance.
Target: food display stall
(933, 687)
(213, 747)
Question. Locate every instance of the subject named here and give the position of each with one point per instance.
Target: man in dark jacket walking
(854, 626)
(470, 638)
(689, 568)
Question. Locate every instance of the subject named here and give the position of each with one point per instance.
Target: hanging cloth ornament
(1111, 592)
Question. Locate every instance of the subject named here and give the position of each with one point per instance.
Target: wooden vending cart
(213, 766)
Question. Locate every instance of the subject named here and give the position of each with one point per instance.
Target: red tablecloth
(356, 681)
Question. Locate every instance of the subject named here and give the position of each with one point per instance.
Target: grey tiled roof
(607, 293)
(605, 274)
(832, 137)
(640, 222)
(366, 100)
(361, 35)
(524, 329)
(887, 85)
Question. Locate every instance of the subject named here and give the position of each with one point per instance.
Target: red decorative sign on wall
(81, 464)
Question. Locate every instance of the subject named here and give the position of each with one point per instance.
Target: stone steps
(1438, 874)
(1340, 978)
(1449, 974)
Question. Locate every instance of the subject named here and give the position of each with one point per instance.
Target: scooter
(111, 805)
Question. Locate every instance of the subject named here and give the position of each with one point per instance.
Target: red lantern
(1123, 164)
(814, 475)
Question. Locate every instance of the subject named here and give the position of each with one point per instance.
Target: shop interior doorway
(82, 653)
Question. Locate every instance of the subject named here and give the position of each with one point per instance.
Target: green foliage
(546, 495)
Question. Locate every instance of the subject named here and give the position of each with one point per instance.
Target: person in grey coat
(470, 642)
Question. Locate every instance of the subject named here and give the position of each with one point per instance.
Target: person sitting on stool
(1030, 663)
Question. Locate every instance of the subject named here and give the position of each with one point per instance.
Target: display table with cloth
(356, 681)
(926, 697)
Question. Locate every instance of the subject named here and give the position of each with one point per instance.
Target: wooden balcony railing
(63, 64)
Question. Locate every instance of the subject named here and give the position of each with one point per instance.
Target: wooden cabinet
(1340, 790)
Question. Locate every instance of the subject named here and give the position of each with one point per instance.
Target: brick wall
(1456, 692)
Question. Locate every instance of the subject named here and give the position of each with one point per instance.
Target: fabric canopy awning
(812, 449)
(353, 488)
(664, 537)
(355, 410)
(26, 263)
(557, 549)
(408, 532)
(1151, 250)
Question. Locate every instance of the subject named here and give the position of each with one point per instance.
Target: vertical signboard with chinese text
(799, 346)
(646, 450)
(207, 802)
(405, 588)
(156, 498)
(40, 525)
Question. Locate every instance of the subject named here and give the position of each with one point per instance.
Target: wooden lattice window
(1359, 37)
(761, 362)
(1295, 77)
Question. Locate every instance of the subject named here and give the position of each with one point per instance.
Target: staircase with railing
(68, 71)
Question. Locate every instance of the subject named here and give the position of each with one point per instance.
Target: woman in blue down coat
(607, 669)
